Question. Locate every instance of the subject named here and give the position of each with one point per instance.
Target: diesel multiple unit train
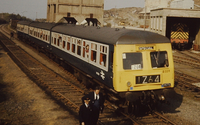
(137, 66)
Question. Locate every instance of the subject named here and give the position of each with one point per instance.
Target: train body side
(89, 65)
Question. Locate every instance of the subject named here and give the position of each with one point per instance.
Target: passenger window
(73, 45)
(68, 46)
(103, 52)
(46, 37)
(93, 52)
(54, 41)
(41, 34)
(31, 31)
(79, 47)
(84, 49)
(159, 59)
(64, 44)
(68, 43)
(132, 61)
(59, 40)
(73, 48)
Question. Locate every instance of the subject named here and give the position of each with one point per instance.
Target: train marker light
(166, 85)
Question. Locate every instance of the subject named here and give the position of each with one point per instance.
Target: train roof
(102, 34)
(110, 35)
(41, 25)
(24, 22)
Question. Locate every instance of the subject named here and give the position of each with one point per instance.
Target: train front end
(143, 72)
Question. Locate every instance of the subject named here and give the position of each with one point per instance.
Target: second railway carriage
(135, 65)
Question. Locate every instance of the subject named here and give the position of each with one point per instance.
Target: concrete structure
(183, 4)
(78, 9)
(156, 4)
(162, 19)
(175, 19)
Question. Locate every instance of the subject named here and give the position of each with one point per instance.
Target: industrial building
(76, 11)
(176, 19)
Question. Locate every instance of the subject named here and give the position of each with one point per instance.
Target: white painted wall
(182, 4)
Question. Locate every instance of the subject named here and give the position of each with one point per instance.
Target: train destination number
(146, 48)
(147, 79)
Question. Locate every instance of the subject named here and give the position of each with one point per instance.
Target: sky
(38, 8)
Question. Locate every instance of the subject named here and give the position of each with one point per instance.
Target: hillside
(197, 2)
(128, 16)
(122, 16)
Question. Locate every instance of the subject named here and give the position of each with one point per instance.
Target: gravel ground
(183, 108)
(23, 102)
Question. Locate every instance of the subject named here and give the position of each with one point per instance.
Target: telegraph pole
(36, 16)
(145, 15)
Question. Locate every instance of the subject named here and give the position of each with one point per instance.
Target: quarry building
(76, 11)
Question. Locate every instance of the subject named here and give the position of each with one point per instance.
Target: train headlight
(129, 84)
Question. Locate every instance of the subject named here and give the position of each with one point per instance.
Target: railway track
(189, 59)
(66, 88)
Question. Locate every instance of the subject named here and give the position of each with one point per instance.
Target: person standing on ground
(85, 112)
(97, 101)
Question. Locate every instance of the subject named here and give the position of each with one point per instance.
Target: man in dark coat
(97, 101)
(85, 112)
